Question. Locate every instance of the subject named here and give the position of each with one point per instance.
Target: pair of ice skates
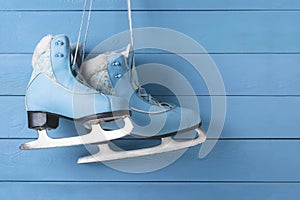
(101, 95)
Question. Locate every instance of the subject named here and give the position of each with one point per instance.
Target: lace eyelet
(116, 63)
(118, 75)
(59, 55)
(59, 42)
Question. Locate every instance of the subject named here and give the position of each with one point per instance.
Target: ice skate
(118, 66)
(53, 92)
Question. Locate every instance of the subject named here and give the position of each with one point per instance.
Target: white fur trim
(42, 47)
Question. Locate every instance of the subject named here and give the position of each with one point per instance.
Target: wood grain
(37, 5)
(250, 74)
(246, 117)
(148, 191)
(242, 31)
(238, 160)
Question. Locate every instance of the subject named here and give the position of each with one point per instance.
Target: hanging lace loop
(80, 31)
(140, 91)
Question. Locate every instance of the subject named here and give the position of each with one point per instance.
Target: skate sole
(139, 137)
(42, 121)
(168, 144)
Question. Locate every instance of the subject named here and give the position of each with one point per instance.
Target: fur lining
(42, 47)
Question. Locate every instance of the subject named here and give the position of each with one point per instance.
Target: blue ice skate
(112, 72)
(53, 92)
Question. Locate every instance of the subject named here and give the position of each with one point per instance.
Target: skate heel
(41, 120)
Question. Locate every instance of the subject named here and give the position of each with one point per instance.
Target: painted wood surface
(230, 160)
(242, 74)
(149, 191)
(246, 117)
(255, 45)
(177, 5)
(242, 31)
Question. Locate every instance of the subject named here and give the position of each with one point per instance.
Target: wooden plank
(15, 74)
(242, 32)
(250, 74)
(149, 191)
(151, 5)
(246, 117)
(231, 160)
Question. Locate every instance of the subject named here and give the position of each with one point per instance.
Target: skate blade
(168, 144)
(97, 135)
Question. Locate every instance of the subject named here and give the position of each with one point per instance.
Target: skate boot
(53, 92)
(166, 120)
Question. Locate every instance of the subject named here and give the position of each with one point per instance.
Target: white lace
(80, 30)
(140, 91)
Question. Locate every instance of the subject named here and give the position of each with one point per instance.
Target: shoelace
(80, 31)
(140, 91)
(149, 98)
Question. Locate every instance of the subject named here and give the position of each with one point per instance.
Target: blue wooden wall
(256, 46)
